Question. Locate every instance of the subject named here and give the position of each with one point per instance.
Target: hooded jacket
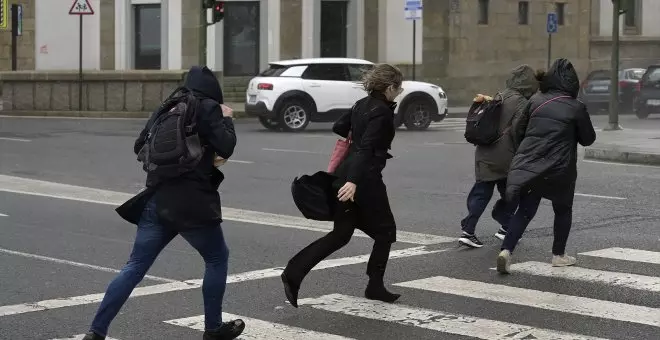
(492, 161)
(191, 200)
(553, 124)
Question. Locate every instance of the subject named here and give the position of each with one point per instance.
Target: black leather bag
(315, 196)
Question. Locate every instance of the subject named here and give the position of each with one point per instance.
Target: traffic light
(218, 11)
(206, 4)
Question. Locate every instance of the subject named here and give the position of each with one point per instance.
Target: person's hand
(219, 161)
(227, 111)
(347, 192)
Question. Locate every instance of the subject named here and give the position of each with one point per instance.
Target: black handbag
(315, 196)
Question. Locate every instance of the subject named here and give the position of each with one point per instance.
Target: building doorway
(334, 19)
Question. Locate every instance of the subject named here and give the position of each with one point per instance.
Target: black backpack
(483, 122)
(172, 146)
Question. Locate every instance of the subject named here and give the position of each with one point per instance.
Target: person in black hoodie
(188, 205)
(545, 163)
(362, 195)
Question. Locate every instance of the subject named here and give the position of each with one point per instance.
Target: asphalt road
(61, 243)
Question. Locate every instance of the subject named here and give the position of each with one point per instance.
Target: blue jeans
(478, 200)
(150, 240)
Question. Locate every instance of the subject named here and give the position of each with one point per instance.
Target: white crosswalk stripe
(626, 254)
(258, 329)
(434, 320)
(450, 124)
(79, 337)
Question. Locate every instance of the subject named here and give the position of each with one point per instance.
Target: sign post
(413, 11)
(551, 28)
(16, 31)
(80, 8)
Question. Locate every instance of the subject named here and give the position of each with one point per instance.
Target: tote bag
(339, 153)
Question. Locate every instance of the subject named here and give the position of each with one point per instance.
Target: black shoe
(93, 336)
(377, 291)
(228, 331)
(290, 290)
(470, 240)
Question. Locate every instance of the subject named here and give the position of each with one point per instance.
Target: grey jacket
(492, 162)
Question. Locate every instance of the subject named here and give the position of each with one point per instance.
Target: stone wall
(465, 57)
(25, 43)
(633, 52)
(135, 93)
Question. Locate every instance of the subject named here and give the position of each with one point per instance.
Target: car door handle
(314, 85)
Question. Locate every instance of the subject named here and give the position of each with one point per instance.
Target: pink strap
(546, 102)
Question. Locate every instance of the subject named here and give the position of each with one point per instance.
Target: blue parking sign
(552, 23)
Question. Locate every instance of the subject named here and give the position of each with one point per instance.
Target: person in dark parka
(188, 205)
(362, 195)
(545, 164)
(492, 162)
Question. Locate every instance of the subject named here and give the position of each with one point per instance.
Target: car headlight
(443, 95)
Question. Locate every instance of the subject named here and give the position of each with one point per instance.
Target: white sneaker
(504, 262)
(563, 260)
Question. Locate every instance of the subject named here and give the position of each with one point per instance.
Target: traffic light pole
(614, 68)
(202, 36)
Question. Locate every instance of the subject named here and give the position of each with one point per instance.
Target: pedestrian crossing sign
(81, 7)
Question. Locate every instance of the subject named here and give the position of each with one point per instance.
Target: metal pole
(80, 65)
(549, 49)
(14, 34)
(414, 48)
(202, 37)
(614, 68)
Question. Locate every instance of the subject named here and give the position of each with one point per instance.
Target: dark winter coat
(492, 161)
(548, 134)
(371, 125)
(191, 200)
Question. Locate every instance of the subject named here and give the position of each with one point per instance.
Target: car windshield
(637, 74)
(600, 75)
(653, 75)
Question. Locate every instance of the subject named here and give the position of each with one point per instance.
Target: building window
(241, 38)
(483, 12)
(147, 37)
(334, 21)
(560, 9)
(632, 16)
(523, 12)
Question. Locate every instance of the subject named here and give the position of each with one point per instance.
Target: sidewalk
(626, 146)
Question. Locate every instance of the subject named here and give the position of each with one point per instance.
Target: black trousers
(527, 208)
(345, 222)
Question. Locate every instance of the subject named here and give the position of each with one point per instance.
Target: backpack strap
(546, 102)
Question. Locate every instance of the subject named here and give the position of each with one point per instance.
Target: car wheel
(269, 124)
(642, 113)
(294, 116)
(418, 115)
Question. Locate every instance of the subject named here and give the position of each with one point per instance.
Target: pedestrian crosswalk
(521, 293)
(450, 124)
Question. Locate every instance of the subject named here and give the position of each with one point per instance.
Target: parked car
(595, 90)
(292, 93)
(648, 99)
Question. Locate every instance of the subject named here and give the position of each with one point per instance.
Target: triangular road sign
(81, 7)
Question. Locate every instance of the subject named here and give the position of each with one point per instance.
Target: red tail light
(638, 86)
(265, 86)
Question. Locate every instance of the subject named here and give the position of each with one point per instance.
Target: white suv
(292, 93)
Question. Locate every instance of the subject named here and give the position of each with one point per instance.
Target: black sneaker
(470, 240)
(93, 336)
(501, 233)
(228, 331)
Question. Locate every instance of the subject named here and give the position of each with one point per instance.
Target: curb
(619, 156)
(92, 114)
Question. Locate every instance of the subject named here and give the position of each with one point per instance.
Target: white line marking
(625, 280)
(434, 320)
(26, 186)
(15, 139)
(197, 283)
(70, 118)
(259, 329)
(77, 264)
(626, 254)
(539, 299)
(4, 215)
(241, 162)
(80, 336)
(600, 196)
(621, 164)
(289, 150)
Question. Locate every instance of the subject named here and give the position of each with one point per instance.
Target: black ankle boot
(376, 291)
(93, 336)
(290, 289)
(228, 331)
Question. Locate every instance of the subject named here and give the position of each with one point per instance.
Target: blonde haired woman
(362, 195)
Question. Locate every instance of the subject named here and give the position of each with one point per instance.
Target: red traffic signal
(218, 11)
